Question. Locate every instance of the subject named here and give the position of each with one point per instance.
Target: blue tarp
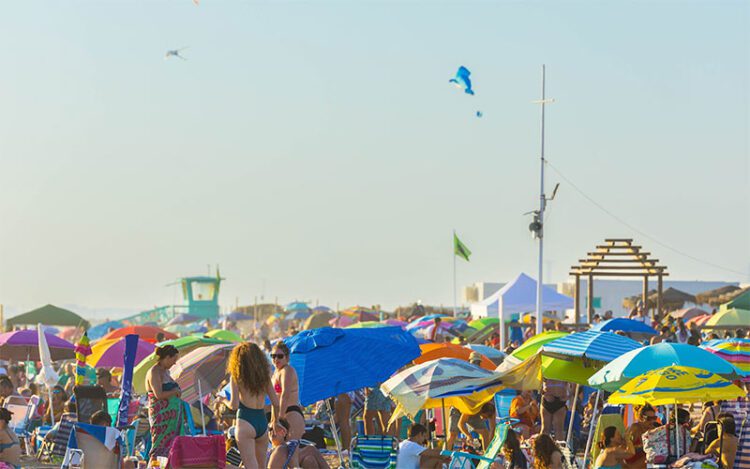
(332, 361)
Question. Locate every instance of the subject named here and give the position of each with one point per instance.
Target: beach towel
(198, 452)
(167, 421)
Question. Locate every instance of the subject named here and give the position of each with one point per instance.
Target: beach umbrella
(676, 385)
(624, 325)
(341, 321)
(361, 313)
(492, 353)
(184, 345)
(546, 318)
(395, 322)
(532, 346)
(183, 318)
(299, 315)
(147, 333)
(184, 329)
(273, 318)
(319, 319)
(238, 316)
(481, 323)
(736, 351)
(207, 365)
(414, 327)
(48, 314)
(448, 382)
(333, 361)
(687, 314)
(110, 353)
(100, 330)
(24, 345)
(297, 306)
(433, 351)
(69, 333)
(698, 320)
(637, 362)
(321, 309)
(429, 318)
(730, 317)
(224, 335)
(366, 325)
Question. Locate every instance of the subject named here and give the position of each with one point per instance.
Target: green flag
(460, 248)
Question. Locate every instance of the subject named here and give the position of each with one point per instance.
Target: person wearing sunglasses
(647, 420)
(286, 385)
(57, 406)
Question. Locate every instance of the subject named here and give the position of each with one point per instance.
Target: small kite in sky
(479, 114)
(462, 80)
(175, 53)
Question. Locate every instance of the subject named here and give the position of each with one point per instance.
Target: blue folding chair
(373, 452)
(461, 460)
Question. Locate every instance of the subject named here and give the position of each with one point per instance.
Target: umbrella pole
(445, 429)
(593, 425)
(572, 415)
(676, 431)
(335, 432)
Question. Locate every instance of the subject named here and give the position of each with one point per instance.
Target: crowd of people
(262, 418)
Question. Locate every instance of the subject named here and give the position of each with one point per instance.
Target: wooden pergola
(616, 258)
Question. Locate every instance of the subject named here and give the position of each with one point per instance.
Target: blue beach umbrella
(415, 323)
(297, 306)
(637, 362)
(332, 361)
(298, 315)
(590, 345)
(100, 330)
(624, 325)
(495, 355)
(238, 316)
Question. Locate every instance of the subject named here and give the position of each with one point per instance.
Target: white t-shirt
(430, 330)
(408, 455)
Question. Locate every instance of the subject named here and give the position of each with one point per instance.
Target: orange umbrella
(446, 350)
(146, 333)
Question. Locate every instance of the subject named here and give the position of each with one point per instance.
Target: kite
(462, 80)
(175, 53)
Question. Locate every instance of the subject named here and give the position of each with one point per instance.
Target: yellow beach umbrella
(676, 385)
(730, 317)
(222, 334)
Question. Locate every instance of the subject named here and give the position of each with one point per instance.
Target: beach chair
(89, 399)
(461, 460)
(55, 448)
(101, 446)
(604, 421)
(373, 452)
(568, 457)
(502, 403)
(20, 423)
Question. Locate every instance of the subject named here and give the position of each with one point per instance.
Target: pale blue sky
(319, 146)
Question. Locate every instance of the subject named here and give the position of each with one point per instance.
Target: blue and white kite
(462, 80)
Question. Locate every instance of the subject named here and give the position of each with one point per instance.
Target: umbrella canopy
(730, 317)
(532, 346)
(238, 316)
(297, 306)
(227, 336)
(207, 365)
(100, 330)
(637, 362)
(332, 361)
(366, 325)
(591, 345)
(625, 325)
(341, 321)
(481, 323)
(396, 322)
(698, 320)
(452, 379)
(429, 318)
(24, 345)
(147, 333)
(716, 296)
(676, 385)
(48, 314)
(322, 309)
(110, 353)
(318, 319)
(432, 351)
(299, 315)
(184, 345)
(184, 329)
(735, 351)
(361, 313)
(492, 353)
(687, 314)
(183, 318)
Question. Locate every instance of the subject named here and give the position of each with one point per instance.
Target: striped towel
(741, 411)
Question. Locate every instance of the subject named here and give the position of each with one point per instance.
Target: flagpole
(540, 215)
(455, 302)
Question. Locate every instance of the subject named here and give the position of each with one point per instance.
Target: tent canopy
(50, 315)
(519, 296)
(742, 301)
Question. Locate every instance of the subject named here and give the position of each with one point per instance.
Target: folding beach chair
(373, 452)
(502, 403)
(461, 460)
(99, 445)
(89, 399)
(55, 448)
(20, 423)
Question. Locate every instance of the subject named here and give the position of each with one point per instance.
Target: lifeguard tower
(201, 298)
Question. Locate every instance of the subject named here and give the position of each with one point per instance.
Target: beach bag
(659, 444)
(196, 452)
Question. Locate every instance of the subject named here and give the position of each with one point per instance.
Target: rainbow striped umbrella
(205, 365)
(735, 351)
(82, 350)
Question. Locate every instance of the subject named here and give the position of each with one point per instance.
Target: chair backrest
(89, 399)
(20, 418)
(374, 452)
(502, 403)
(496, 444)
(128, 436)
(113, 407)
(62, 436)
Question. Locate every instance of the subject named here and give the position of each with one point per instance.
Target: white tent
(519, 296)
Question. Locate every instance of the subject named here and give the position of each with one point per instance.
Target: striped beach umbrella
(735, 351)
(82, 350)
(206, 365)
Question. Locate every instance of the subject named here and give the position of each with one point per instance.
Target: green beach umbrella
(367, 325)
(532, 346)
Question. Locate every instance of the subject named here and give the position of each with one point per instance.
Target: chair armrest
(466, 455)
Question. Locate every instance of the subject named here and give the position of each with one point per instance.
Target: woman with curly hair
(250, 383)
(546, 453)
(286, 385)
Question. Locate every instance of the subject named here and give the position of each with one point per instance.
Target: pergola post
(590, 288)
(659, 289)
(577, 300)
(644, 296)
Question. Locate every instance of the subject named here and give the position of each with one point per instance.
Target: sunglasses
(651, 417)
(277, 355)
(56, 391)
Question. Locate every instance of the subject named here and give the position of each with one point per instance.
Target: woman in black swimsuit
(554, 407)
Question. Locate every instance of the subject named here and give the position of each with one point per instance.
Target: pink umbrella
(341, 321)
(24, 345)
(113, 355)
(395, 322)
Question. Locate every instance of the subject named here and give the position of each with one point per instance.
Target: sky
(315, 150)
